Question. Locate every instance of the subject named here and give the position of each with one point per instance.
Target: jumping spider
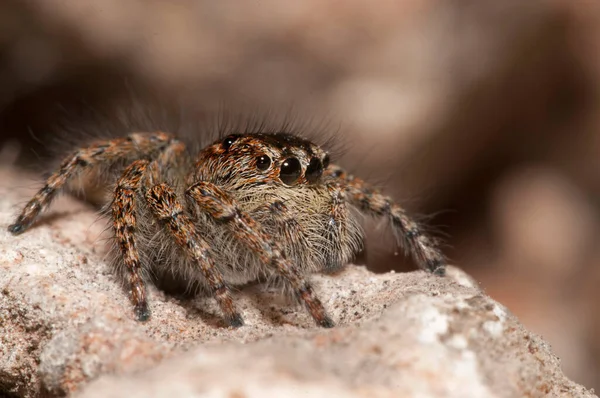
(249, 206)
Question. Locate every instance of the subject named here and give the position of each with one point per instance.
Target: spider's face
(279, 158)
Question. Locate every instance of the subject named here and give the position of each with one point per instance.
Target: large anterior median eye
(290, 171)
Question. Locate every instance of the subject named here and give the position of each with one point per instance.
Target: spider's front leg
(423, 248)
(283, 221)
(219, 205)
(165, 206)
(142, 145)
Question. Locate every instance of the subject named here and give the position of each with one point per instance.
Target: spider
(248, 206)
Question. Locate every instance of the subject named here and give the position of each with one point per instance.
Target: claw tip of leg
(142, 313)
(326, 323)
(16, 228)
(236, 321)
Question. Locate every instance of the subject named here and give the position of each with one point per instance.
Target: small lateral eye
(228, 141)
(263, 162)
(326, 161)
(290, 171)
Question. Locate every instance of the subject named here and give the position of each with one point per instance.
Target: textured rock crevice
(67, 328)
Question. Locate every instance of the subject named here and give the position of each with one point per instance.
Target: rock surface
(67, 327)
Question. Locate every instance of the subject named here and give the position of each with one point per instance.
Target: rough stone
(68, 328)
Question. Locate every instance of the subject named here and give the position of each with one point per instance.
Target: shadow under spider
(200, 304)
(197, 308)
(272, 305)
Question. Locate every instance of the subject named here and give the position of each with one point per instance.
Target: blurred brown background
(484, 113)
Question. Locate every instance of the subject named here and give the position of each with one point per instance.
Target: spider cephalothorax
(247, 207)
(253, 159)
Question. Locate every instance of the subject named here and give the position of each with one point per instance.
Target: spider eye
(290, 171)
(263, 162)
(326, 161)
(314, 170)
(228, 141)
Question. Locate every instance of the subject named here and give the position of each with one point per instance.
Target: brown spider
(251, 206)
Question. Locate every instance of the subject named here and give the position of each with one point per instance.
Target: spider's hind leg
(109, 152)
(422, 247)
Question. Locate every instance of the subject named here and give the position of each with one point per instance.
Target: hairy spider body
(248, 207)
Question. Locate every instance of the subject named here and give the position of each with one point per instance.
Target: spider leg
(288, 228)
(165, 206)
(337, 231)
(125, 225)
(214, 201)
(422, 247)
(98, 153)
(124, 214)
(134, 180)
